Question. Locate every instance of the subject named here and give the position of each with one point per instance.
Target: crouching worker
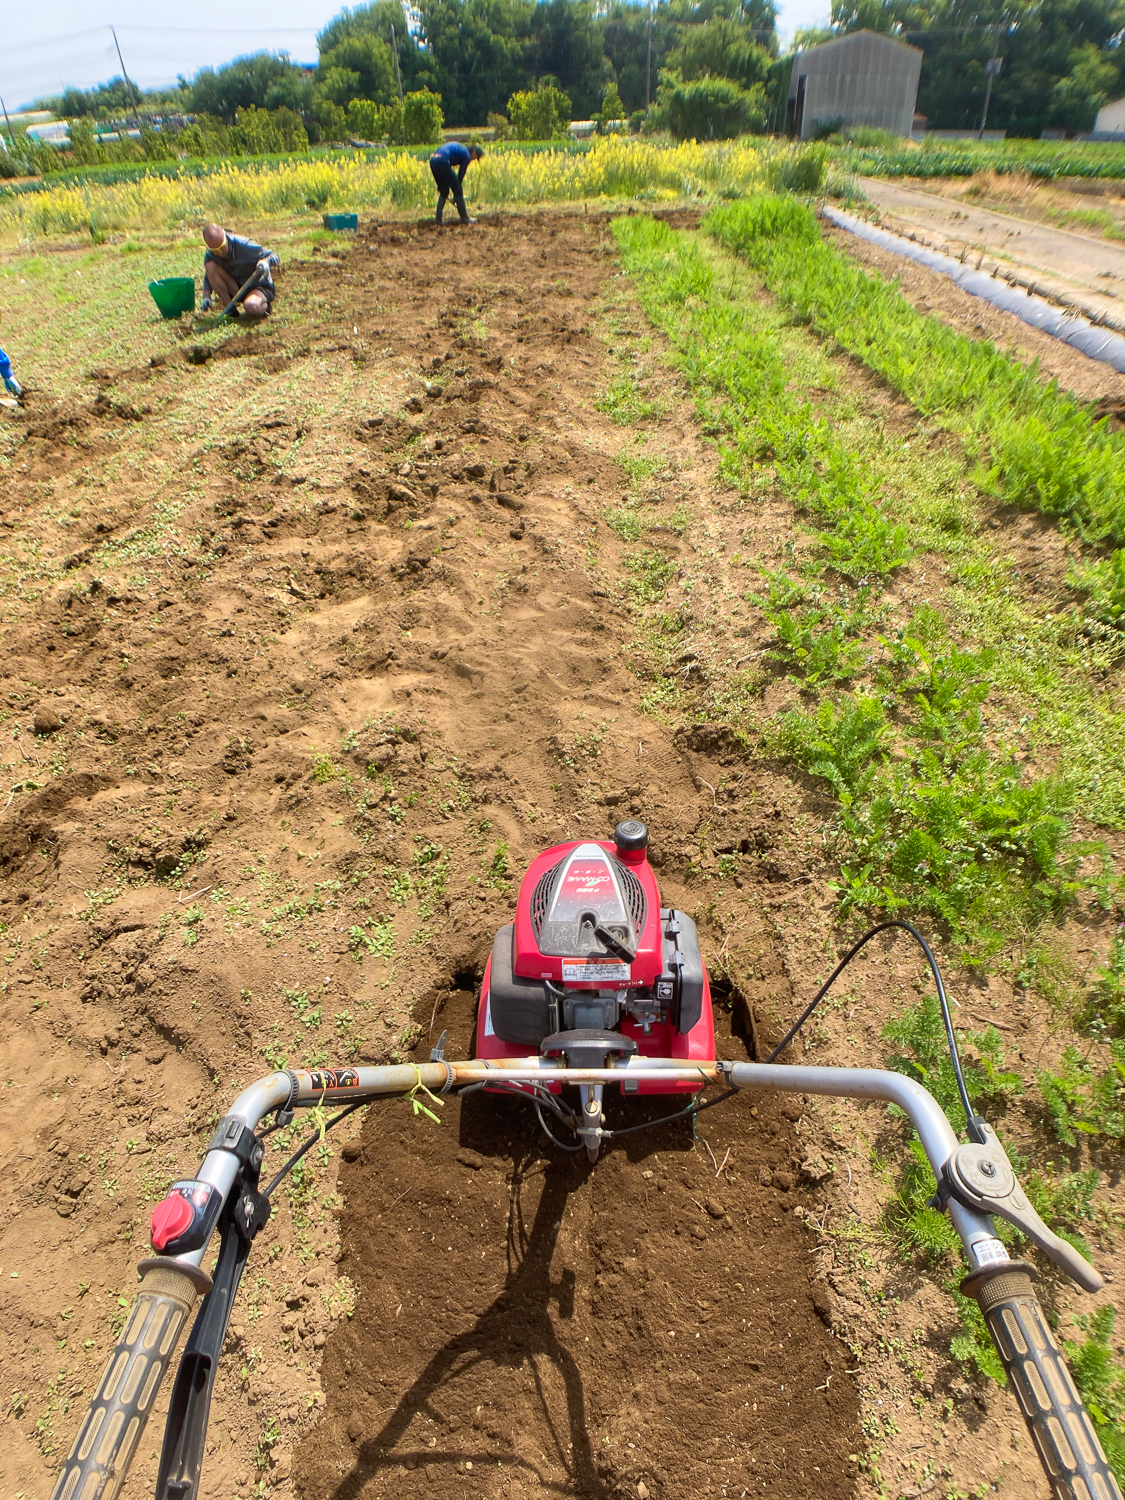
(449, 164)
(230, 262)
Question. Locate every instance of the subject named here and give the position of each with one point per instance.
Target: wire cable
(550, 1134)
(974, 1122)
(309, 1144)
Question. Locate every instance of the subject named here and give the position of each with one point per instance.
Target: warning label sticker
(595, 972)
(989, 1252)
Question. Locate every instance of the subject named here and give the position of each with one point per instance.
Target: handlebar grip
(1063, 1434)
(116, 1417)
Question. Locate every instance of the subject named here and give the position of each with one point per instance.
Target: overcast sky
(45, 47)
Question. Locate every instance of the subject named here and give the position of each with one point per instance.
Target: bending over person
(230, 262)
(442, 164)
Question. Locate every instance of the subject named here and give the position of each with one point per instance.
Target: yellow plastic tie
(416, 1104)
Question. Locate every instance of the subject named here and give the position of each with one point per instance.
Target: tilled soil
(319, 676)
(529, 1325)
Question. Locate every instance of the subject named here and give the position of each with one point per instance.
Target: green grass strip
(1044, 450)
(931, 815)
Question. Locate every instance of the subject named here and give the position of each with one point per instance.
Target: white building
(1111, 119)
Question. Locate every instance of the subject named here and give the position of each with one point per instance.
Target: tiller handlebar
(975, 1182)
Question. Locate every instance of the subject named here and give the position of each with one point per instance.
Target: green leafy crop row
(932, 814)
(1040, 447)
(937, 158)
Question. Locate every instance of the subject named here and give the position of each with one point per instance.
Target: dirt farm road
(1076, 263)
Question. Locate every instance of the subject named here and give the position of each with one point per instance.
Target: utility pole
(648, 64)
(398, 70)
(11, 132)
(992, 68)
(128, 82)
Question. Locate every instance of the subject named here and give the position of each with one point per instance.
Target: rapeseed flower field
(612, 170)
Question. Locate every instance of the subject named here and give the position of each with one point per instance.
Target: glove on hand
(13, 385)
(205, 305)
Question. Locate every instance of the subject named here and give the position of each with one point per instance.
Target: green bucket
(341, 221)
(174, 295)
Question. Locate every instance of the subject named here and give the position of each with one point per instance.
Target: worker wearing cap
(449, 164)
(229, 264)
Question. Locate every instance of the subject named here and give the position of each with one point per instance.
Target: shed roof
(845, 42)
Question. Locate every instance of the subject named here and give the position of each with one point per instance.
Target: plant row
(1040, 447)
(932, 815)
(612, 168)
(1042, 159)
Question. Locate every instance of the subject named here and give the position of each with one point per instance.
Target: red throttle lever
(170, 1219)
(183, 1221)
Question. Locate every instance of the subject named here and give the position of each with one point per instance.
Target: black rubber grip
(116, 1417)
(1063, 1434)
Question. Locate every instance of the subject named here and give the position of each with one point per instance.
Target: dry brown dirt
(415, 583)
(342, 640)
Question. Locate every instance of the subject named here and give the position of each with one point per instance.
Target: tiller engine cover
(594, 966)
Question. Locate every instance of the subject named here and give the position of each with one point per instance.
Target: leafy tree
(261, 132)
(480, 52)
(378, 20)
(422, 118)
(263, 81)
(106, 99)
(566, 44)
(331, 119)
(358, 67)
(720, 48)
(625, 36)
(612, 108)
(539, 114)
(339, 85)
(365, 119)
(417, 121)
(708, 108)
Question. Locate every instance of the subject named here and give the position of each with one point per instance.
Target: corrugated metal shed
(862, 79)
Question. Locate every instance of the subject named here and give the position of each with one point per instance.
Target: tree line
(702, 67)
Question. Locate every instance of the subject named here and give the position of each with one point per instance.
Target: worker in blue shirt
(11, 384)
(230, 262)
(442, 163)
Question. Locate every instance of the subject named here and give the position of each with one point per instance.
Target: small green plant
(1105, 1009)
(1101, 1382)
(922, 1053)
(380, 940)
(499, 866)
(625, 403)
(649, 575)
(190, 925)
(325, 768)
(626, 523)
(1081, 1100)
(306, 1011)
(973, 1346)
(840, 742)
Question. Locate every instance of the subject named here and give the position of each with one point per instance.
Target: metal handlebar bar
(971, 1188)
